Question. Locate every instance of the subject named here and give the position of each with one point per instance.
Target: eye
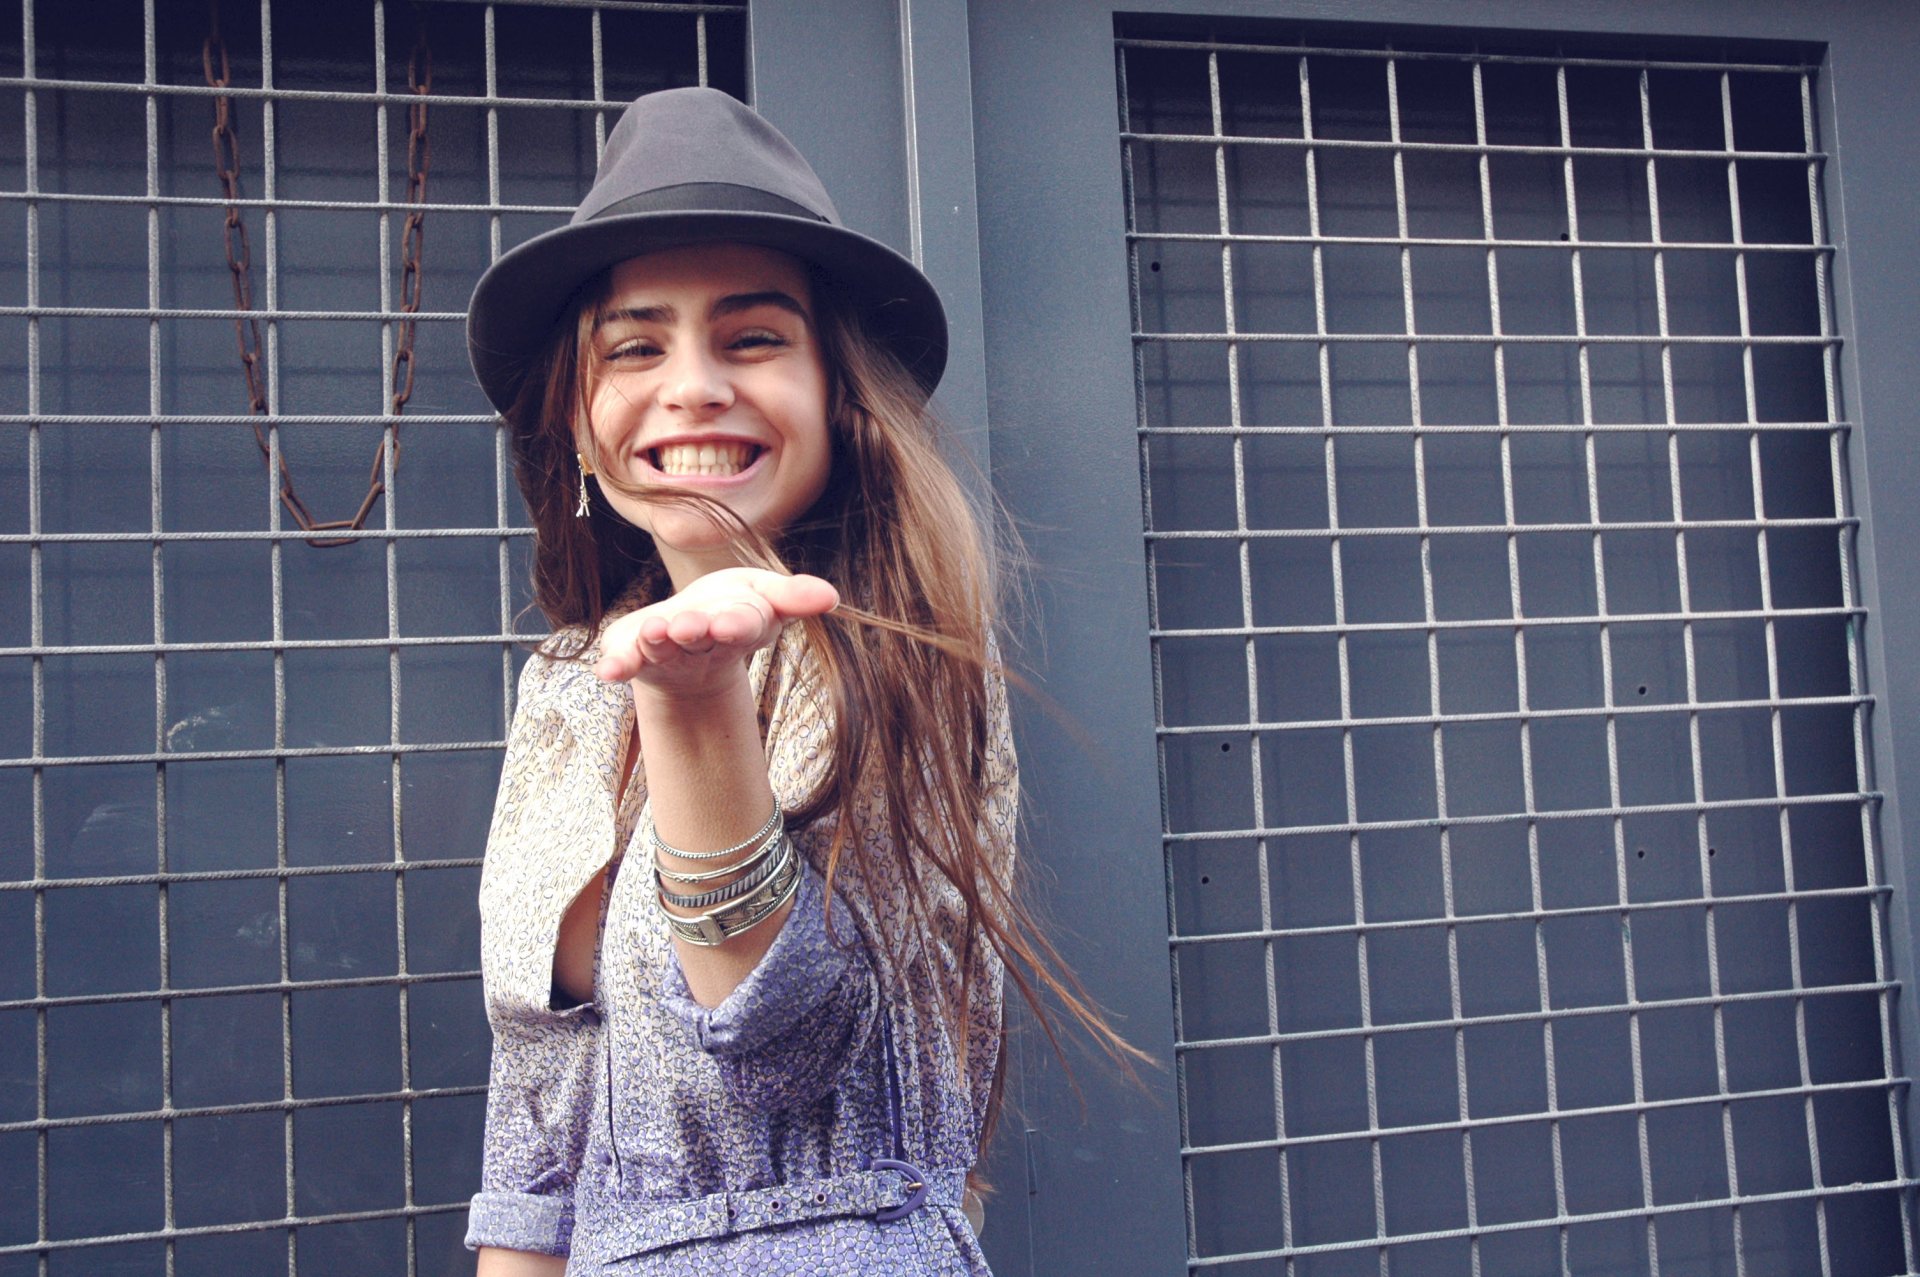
(757, 339)
(638, 348)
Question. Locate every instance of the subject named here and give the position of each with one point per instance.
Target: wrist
(657, 702)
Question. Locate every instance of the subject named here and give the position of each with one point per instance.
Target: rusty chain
(246, 327)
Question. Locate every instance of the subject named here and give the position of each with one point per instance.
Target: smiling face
(709, 377)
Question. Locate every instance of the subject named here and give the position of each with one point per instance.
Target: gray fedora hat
(695, 166)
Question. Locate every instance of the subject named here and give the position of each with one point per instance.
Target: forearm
(495, 1262)
(707, 785)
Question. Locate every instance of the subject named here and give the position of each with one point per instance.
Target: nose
(695, 383)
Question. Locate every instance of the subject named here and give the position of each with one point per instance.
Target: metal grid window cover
(1524, 903)
(244, 782)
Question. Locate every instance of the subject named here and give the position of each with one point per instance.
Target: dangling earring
(586, 472)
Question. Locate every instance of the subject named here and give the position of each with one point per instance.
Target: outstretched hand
(697, 641)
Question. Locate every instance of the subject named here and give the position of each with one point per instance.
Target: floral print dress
(815, 1121)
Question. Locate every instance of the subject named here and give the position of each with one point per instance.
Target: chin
(690, 534)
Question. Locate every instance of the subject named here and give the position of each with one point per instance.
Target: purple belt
(887, 1191)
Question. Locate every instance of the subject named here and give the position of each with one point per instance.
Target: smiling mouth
(711, 460)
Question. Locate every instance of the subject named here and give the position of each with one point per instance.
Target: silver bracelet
(720, 925)
(746, 862)
(765, 868)
(774, 822)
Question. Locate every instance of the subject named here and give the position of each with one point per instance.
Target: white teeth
(709, 459)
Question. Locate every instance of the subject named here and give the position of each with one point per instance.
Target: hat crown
(686, 167)
(700, 137)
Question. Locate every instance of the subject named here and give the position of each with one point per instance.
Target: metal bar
(1429, 611)
(231, 755)
(291, 1222)
(329, 206)
(1536, 914)
(1566, 149)
(1584, 354)
(36, 591)
(240, 93)
(1437, 718)
(1184, 534)
(1696, 754)
(275, 535)
(1475, 57)
(1276, 1065)
(1402, 240)
(1649, 1214)
(1537, 897)
(1247, 429)
(1425, 530)
(1807, 1091)
(1633, 1007)
(1500, 622)
(1862, 799)
(599, 85)
(241, 419)
(268, 645)
(1343, 657)
(287, 987)
(389, 479)
(235, 1110)
(156, 491)
(236, 875)
(1503, 429)
(1474, 339)
(269, 312)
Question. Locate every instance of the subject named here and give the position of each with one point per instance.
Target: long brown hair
(909, 659)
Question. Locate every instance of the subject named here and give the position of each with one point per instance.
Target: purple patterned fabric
(645, 1134)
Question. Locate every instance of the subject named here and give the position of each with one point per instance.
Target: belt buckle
(916, 1186)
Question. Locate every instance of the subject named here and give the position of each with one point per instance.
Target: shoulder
(563, 660)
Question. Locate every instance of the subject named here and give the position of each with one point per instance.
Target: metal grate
(1524, 901)
(240, 1022)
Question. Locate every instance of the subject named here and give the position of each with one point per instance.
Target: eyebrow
(731, 304)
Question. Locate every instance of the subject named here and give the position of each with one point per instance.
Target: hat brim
(523, 294)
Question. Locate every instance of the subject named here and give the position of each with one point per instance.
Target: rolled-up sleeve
(539, 1098)
(541, 1082)
(783, 1036)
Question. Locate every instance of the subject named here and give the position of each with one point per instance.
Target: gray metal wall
(1433, 1008)
(245, 781)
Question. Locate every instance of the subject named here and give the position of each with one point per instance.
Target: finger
(744, 622)
(620, 655)
(690, 630)
(795, 596)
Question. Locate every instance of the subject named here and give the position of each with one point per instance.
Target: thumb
(796, 596)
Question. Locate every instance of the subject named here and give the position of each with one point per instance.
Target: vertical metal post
(156, 406)
(36, 594)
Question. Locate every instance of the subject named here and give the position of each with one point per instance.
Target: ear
(585, 446)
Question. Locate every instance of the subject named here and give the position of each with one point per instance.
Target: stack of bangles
(760, 882)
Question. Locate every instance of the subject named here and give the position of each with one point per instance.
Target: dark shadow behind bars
(1524, 903)
(240, 1020)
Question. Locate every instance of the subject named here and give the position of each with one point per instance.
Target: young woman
(747, 906)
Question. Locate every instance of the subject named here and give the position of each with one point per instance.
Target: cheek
(823, 456)
(609, 417)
